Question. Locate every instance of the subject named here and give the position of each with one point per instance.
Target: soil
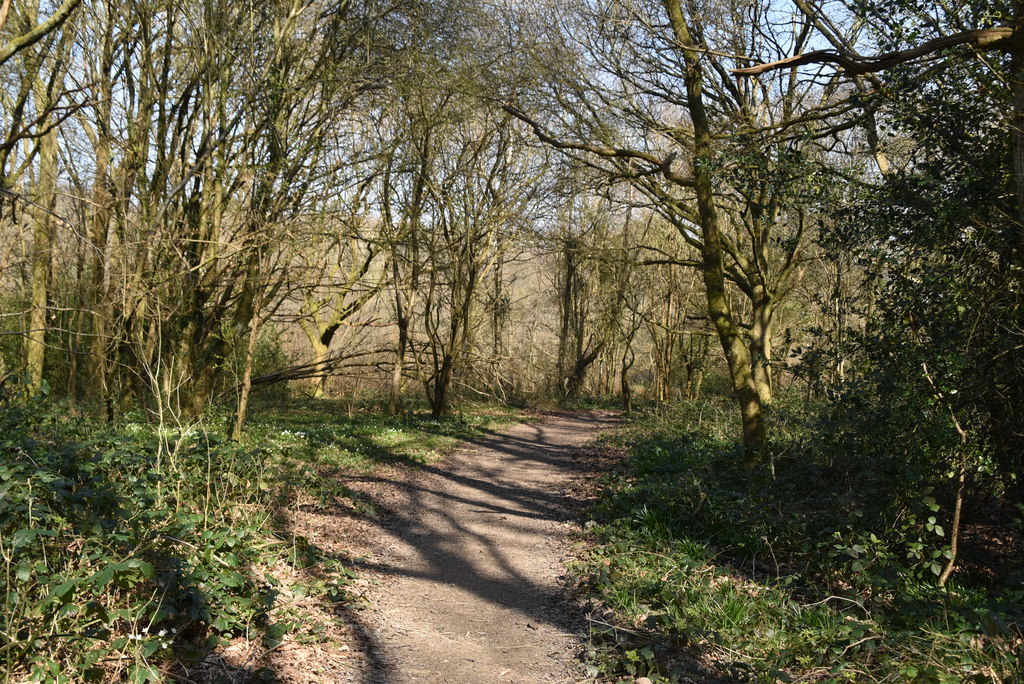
(461, 568)
(471, 556)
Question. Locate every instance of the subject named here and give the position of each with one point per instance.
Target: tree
(727, 165)
(206, 164)
(43, 77)
(480, 187)
(669, 310)
(895, 24)
(344, 276)
(590, 274)
(459, 186)
(940, 238)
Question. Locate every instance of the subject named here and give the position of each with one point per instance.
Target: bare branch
(998, 38)
(38, 32)
(662, 165)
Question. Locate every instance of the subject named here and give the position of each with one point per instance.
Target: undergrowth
(127, 548)
(810, 567)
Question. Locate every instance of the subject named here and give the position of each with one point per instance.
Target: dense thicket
(940, 241)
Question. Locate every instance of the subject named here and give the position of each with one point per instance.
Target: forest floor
(460, 565)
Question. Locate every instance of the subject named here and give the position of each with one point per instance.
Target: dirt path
(468, 560)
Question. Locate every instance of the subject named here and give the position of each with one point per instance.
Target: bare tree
(652, 103)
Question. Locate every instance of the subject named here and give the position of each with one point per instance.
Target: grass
(126, 549)
(698, 568)
(328, 432)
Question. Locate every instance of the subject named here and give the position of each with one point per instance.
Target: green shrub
(121, 547)
(127, 547)
(822, 564)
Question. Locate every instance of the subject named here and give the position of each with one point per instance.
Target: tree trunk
(576, 378)
(761, 349)
(98, 346)
(737, 355)
(42, 261)
(694, 383)
(499, 315)
(320, 352)
(567, 301)
(628, 357)
(1017, 126)
(246, 389)
(395, 391)
(441, 386)
(694, 359)
(99, 228)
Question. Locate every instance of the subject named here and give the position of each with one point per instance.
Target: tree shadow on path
(478, 522)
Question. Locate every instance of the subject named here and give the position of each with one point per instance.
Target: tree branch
(37, 33)
(997, 38)
(662, 165)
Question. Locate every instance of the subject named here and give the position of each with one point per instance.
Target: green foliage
(940, 242)
(124, 547)
(325, 433)
(825, 570)
(116, 549)
(10, 339)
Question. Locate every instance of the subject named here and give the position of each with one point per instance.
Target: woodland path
(468, 559)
